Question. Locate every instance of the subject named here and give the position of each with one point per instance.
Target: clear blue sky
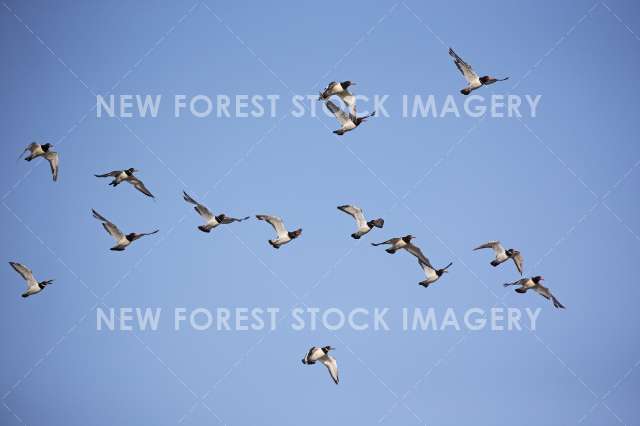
(565, 184)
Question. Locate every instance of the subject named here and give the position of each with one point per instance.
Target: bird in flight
(364, 226)
(321, 355)
(211, 220)
(283, 236)
(127, 175)
(347, 122)
(33, 286)
(475, 81)
(396, 243)
(36, 150)
(432, 274)
(534, 284)
(340, 90)
(122, 240)
(503, 255)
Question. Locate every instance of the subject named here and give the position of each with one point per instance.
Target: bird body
(283, 236)
(127, 175)
(432, 274)
(33, 286)
(211, 220)
(363, 225)
(321, 355)
(534, 284)
(474, 80)
(348, 121)
(122, 240)
(341, 90)
(36, 150)
(502, 255)
(396, 243)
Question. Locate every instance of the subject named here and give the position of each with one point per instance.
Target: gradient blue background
(500, 182)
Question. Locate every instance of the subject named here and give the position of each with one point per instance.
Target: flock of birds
(348, 121)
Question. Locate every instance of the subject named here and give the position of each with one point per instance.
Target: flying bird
(127, 175)
(340, 89)
(347, 122)
(364, 226)
(475, 82)
(431, 273)
(36, 150)
(503, 255)
(283, 236)
(33, 286)
(321, 355)
(211, 220)
(122, 240)
(396, 243)
(534, 283)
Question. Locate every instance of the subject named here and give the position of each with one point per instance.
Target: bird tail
(376, 244)
(521, 290)
(424, 284)
(494, 263)
(355, 236)
(203, 228)
(339, 132)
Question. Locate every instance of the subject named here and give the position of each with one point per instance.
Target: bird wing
(466, 70)
(519, 261)
(276, 222)
(110, 174)
(332, 365)
(328, 91)
(24, 273)
(415, 250)
(148, 233)
(31, 147)
(139, 185)
(341, 116)
(53, 159)
(108, 226)
(201, 209)
(226, 219)
(494, 245)
(544, 292)
(356, 213)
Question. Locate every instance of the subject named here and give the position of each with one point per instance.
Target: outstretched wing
(519, 261)
(139, 185)
(202, 210)
(415, 250)
(226, 219)
(349, 100)
(429, 270)
(31, 147)
(24, 273)
(108, 226)
(53, 159)
(332, 365)
(466, 70)
(544, 292)
(110, 174)
(341, 116)
(494, 245)
(356, 213)
(274, 221)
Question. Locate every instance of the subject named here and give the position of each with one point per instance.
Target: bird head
(347, 83)
(537, 279)
(296, 233)
(407, 238)
(328, 348)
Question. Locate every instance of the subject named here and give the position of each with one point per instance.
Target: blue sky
(559, 187)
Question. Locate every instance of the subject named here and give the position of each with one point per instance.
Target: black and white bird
(127, 175)
(475, 81)
(364, 226)
(33, 286)
(283, 236)
(534, 284)
(36, 150)
(396, 243)
(503, 255)
(340, 90)
(431, 273)
(321, 355)
(348, 121)
(211, 220)
(122, 240)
